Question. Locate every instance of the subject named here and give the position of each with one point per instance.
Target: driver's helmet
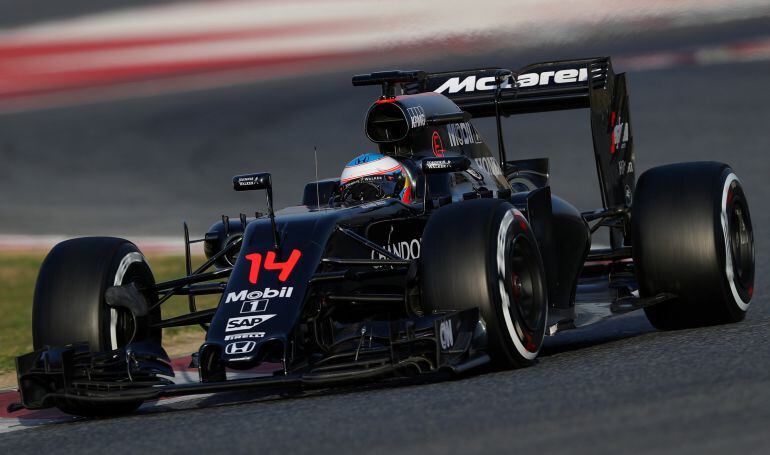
(373, 176)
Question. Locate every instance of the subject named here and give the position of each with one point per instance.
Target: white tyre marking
(513, 328)
(125, 263)
(728, 255)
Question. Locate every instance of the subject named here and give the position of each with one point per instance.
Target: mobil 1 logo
(255, 306)
(267, 293)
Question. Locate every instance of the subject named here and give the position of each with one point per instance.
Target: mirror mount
(259, 181)
(501, 76)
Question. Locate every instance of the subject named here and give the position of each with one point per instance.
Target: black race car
(461, 259)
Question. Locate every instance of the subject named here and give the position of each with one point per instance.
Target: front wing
(453, 342)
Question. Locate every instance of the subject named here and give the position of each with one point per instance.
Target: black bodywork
(330, 292)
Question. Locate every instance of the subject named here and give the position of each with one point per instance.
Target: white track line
(43, 243)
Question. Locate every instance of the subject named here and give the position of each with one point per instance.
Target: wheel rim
(525, 287)
(122, 326)
(520, 284)
(741, 246)
(738, 243)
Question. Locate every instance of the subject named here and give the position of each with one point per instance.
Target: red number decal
(285, 267)
(256, 263)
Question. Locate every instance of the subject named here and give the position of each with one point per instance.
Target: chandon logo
(473, 83)
(405, 250)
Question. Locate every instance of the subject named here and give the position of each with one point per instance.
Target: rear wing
(567, 84)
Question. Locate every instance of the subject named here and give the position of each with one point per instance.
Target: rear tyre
(482, 254)
(69, 305)
(692, 237)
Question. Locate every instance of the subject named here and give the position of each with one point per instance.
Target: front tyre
(482, 254)
(692, 237)
(69, 305)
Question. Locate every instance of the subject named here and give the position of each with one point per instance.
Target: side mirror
(249, 182)
(440, 165)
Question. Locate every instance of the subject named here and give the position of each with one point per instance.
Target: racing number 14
(270, 264)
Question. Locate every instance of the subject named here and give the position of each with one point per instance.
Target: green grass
(18, 272)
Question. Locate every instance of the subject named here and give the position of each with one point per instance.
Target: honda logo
(240, 347)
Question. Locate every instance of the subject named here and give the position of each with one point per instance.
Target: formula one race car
(430, 256)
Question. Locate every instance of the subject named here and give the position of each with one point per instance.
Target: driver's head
(373, 176)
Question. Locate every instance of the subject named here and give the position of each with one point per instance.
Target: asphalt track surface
(618, 387)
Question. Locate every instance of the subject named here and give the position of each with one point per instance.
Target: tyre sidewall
(522, 343)
(128, 265)
(736, 292)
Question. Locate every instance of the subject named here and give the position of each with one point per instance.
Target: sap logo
(405, 250)
(240, 347)
(246, 322)
(255, 295)
(473, 83)
(244, 336)
(462, 134)
(254, 306)
(489, 164)
(445, 334)
(416, 116)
